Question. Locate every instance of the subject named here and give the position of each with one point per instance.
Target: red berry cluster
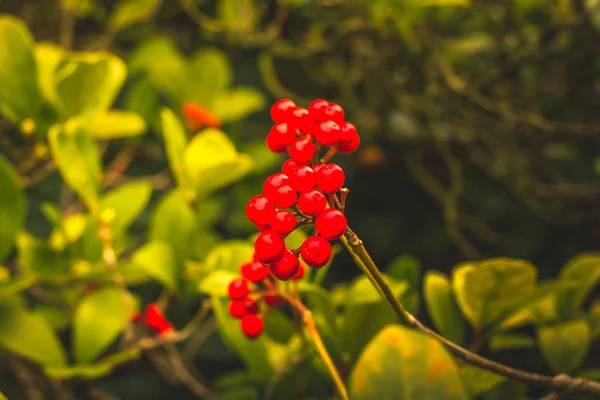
(154, 319)
(303, 192)
(243, 306)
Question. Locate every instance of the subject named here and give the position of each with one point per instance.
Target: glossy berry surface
(255, 272)
(273, 183)
(334, 112)
(238, 289)
(330, 178)
(302, 150)
(285, 197)
(252, 325)
(288, 167)
(328, 133)
(286, 266)
(282, 110)
(300, 273)
(331, 224)
(316, 109)
(273, 301)
(349, 139)
(316, 251)
(302, 178)
(269, 246)
(282, 134)
(260, 210)
(251, 306)
(299, 120)
(283, 222)
(274, 145)
(237, 308)
(312, 202)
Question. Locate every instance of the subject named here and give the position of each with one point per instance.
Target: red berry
(251, 306)
(262, 228)
(330, 178)
(237, 308)
(299, 120)
(273, 301)
(349, 139)
(252, 326)
(312, 202)
(334, 112)
(302, 150)
(299, 273)
(316, 251)
(269, 246)
(154, 316)
(331, 224)
(164, 328)
(302, 179)
(273, 183)
(274, 145)
(285, 197)
(316, 109)
(327, 133)
(238, 289)
(260, 209)
(283, 133)
(283, 222)
(317, 167)
(255, 272)
(282, 110)
(289, 166)
(286, 266)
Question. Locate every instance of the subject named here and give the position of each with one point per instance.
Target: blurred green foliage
(480, 140)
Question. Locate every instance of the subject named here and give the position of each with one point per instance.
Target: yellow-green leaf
(99, 318)
(487, 289)
(48, 57)
(217, 282)
(114, 124)
(238, 103)
(156, 258)
(19, 95)
(175, 143)
(128, 201)
(583, 273)
(210, 73)
(565, 345)
(13, 207)
(402, 364)
(229, 255)
(129, 12)
(442, 306)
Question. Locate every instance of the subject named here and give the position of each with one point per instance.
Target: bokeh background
(479, 121)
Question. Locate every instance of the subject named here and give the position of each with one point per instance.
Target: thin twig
(560, 383)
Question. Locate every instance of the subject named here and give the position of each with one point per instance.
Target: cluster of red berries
(154, 319)
(303, 193)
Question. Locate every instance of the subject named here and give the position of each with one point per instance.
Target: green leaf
(229, 256)
(402, 364)
(478, 381)
(405, 268)
(128, 201)
(238, 103)
(35, 255)
(16, 285)
(129, 12)
(485, 290)
(57, 318)
(78, 160)
(318, 301)
(510, 341)
(96, 370)
(173, 222)
(113, 124)
(19, 96)
(99, 318)
(89, 82)
(142, 99)
(217, 282)
(565, 345)
(210, 74)
(156, 258)
(48, 57)
(13, 207)
(254, 352)
(29, 336)
(213, 162)
(363, 292)
(237, 15)
(175, 144)
(583, 273)
(442, 306)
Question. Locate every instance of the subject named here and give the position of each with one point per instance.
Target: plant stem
(311, 328)
(561, 383)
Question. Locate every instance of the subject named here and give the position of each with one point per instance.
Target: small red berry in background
(251, 306)
(349, 139)
(197, 116)
(331, 224)
(156, 320)
(282, 110)
(260, 209)
(238, 289)
(255, 272)
(237, 308)
(286, 266)
(316, 251)
(273, 301)
(302, 150)
(252, 326)
(269, 246)
(283, 222)
(330, 178)
(300, 273)
(312, 202)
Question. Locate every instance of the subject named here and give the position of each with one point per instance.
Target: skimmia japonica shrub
(309, 191)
